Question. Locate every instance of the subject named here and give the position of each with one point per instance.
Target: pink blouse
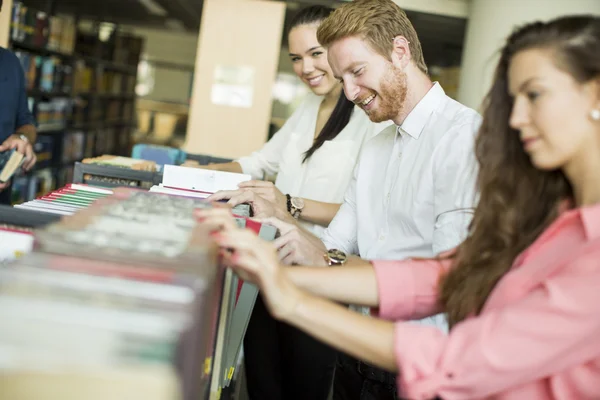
(537, 337)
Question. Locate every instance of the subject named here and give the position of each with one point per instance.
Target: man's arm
(342, 231)
(29, 131)
(25, 126)
(455, 174)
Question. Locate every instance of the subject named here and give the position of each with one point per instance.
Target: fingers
(285, 251)
(256, 183)
(3, 186)
(282, 226)
(281, 241)
(241, 198)
(217, 219)
(290, 259)
(239, 240)
(223, 195)
(242, 264)
(21, 146)
(9, 144)
(29, 157)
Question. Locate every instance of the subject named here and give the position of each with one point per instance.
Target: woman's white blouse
(327, 173)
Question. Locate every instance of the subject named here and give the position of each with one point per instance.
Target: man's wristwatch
(335, 257)
(295, 205)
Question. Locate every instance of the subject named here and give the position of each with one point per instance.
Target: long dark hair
(517, 201)
(340, 116)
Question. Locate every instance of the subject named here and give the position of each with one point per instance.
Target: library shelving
(80, 89)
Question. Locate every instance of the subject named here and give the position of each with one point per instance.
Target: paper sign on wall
(233, 86)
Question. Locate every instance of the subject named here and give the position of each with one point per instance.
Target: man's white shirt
(413, 189)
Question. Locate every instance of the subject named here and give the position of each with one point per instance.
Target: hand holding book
(10, 161)
(21, 145)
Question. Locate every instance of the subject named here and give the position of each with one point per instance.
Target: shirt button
(381, 237)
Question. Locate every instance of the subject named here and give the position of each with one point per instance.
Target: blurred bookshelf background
(104, 76)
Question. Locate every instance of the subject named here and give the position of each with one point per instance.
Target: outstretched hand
(253, 259)
(264, 198)
(266, 190)
(296, 245)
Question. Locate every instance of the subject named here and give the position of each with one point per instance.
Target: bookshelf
(80, 89)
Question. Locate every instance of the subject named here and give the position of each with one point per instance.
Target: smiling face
(375, 84)
(310, 59)
(551, 110)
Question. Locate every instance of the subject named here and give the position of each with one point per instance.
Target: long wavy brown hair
(517, 201)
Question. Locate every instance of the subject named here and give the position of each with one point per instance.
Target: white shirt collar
(418, 117)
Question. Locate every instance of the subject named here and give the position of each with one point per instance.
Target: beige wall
(490, 22)
(5, 22)
(234, 33)
(451, 8)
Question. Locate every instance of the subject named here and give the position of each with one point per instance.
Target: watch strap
(289, 203)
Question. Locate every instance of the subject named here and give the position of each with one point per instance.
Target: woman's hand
(253, 259)
(261, 201)
(218, 218)
(261, 208)
(256, 261)
(266, 190)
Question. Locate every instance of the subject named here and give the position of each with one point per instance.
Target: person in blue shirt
(17, 129)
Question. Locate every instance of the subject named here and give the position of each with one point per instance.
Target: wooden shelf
(106, 64)
(40, 50)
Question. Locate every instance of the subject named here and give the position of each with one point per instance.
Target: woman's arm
(548, 331)
(318, 212)
(268, 201)
(255, 261)
(352, 284)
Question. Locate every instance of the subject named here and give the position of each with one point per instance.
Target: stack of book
(128, 292)
(120, 300)
(66, 200)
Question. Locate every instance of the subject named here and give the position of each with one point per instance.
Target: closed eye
(358, 72)
(532, 96)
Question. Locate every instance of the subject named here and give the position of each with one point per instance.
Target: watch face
(337, 256)
(298, 202)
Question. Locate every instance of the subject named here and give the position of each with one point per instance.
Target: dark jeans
(5, 195)
(283, 363)
(355, 380)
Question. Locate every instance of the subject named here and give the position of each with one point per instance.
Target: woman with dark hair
(522, 291)
(313, 154)
(315, 151)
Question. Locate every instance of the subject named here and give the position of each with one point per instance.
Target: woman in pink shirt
(522, 293)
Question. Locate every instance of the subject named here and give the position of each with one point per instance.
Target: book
(16, 241)
(123, 162)
(201, 180)
(10, 161)
(66, 200)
